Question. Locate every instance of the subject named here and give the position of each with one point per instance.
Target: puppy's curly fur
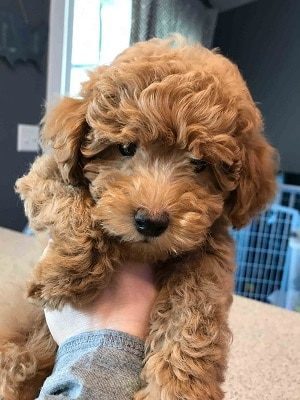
(200, 158)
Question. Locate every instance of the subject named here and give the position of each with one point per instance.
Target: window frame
(59, 48)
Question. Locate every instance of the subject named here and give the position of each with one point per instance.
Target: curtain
(160, 18)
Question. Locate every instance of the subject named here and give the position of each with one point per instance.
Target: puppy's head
(168, 140)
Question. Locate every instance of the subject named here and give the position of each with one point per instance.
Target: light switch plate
(28, 138)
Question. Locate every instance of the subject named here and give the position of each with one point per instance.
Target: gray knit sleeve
(100, 365)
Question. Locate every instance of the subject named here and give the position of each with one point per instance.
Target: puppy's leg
(70, 271)
(26, 357)
(189, 337)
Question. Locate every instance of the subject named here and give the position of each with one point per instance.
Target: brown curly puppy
(161, 154)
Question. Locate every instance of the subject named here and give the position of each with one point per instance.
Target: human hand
(125, 305)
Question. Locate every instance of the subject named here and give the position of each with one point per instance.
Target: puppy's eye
(127, 150)
(200, 165)
(228, 169)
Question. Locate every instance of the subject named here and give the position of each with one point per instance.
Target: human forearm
(100, 365)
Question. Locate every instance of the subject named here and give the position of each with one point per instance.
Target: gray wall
(263, 38)
(22, 94)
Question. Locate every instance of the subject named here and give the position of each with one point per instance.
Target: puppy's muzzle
(149, 225)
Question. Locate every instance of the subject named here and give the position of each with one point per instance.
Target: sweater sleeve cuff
(103, 338)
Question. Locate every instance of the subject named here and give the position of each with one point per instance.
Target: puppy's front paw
(34, 291)
(143, 395)
(54, 294)
(42, 295)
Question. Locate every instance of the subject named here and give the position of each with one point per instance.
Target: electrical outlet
(28, 138)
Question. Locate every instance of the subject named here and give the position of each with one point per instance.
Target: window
(93, 33)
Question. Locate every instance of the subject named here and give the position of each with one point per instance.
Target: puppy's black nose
(149, 225)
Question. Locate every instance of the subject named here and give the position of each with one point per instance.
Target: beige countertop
(264, 359)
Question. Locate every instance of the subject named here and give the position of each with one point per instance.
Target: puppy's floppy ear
(64, 129)
(259, 162)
